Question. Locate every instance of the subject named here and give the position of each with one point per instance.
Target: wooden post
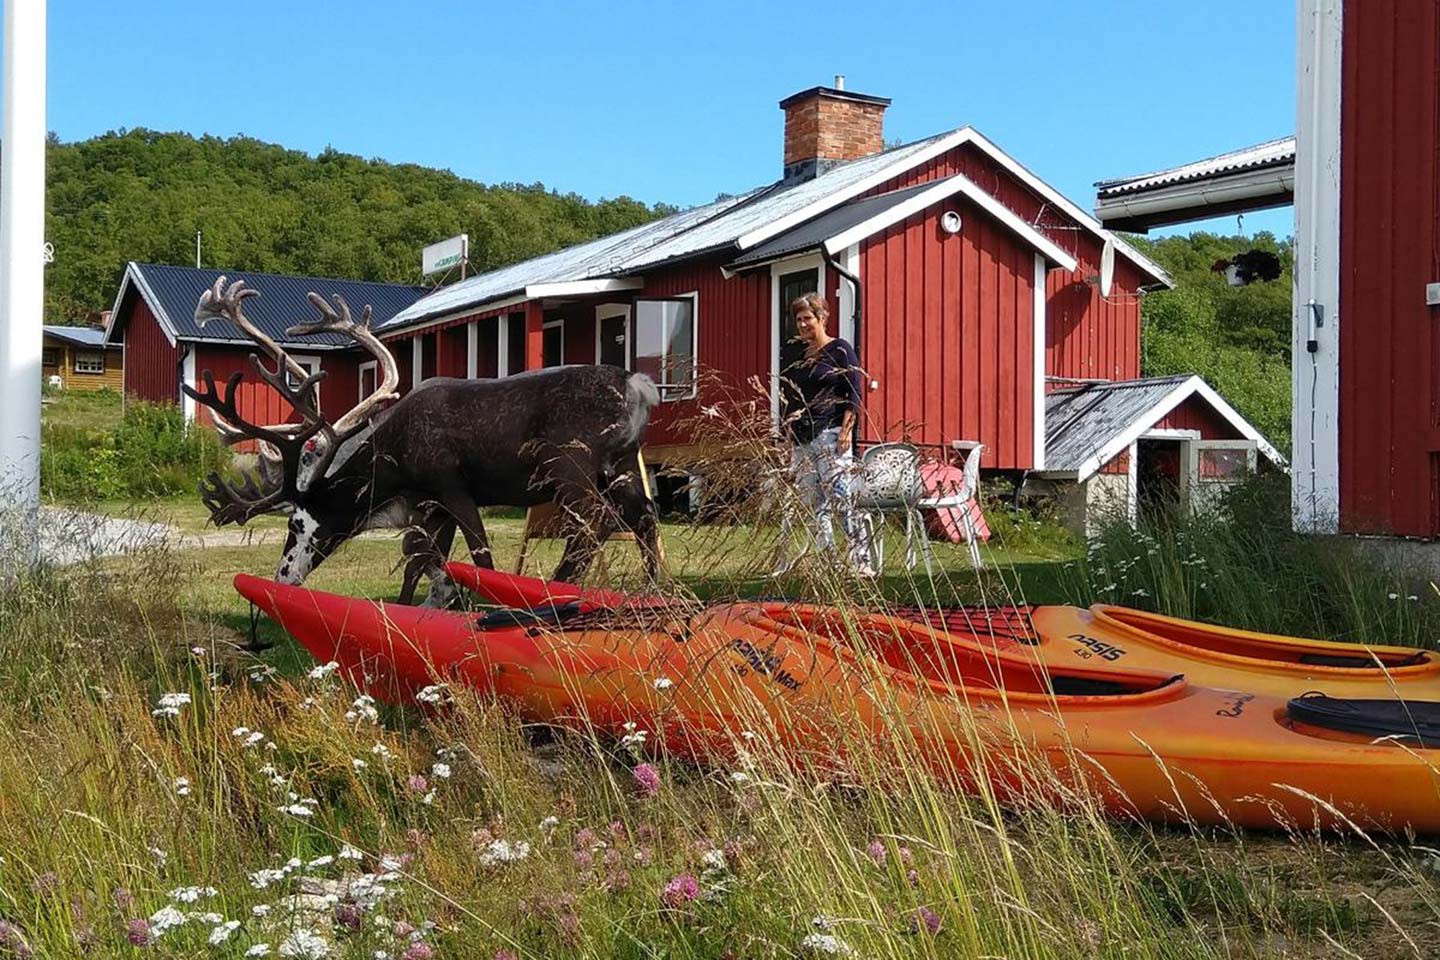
(534, 335)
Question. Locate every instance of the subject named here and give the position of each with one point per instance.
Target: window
(52, 357)
(367, 379)
(87, 361)
(665, 344)
(515, 344)
(612, 335)
(552, 339)
(310, 365)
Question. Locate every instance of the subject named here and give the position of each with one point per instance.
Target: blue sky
(677, 102)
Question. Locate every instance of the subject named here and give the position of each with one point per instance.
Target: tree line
(142, 195)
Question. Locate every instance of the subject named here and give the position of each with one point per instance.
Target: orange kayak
(835, 690)
(1059, 636)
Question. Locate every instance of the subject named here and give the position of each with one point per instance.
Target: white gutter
(1277, 182)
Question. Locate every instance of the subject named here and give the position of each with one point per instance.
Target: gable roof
(79, 336)
(172, 293)
(734, 225)
(1088, 426)
(854, 221)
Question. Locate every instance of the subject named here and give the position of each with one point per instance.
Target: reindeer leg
(637, 512)
(586, 528)
(465, 513)
(426, 549)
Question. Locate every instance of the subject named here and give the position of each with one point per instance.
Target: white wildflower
(198, 651)
(296, 810)
(348, 852)
(382, 751)
(435, 693)
(307, 703)
(182, 786)
(258, 950)
(739, 776)
(498, 852)
(169, 705)
(208, 917)
(166, 918)
(363, 709)
(428, 799)
(358, 764)
(305, 945)
(748, 734)
(191, 894)
(825, 944)
(389, 863)
(239, 732)
(159, 856)
(261, 879)
(260, 910)
(319, 862)
(713, 860)
(663, 683)
(548, 825)
(634, 737)
(254, 738)
(1394, 596)
(318, 673)
(441, 770)
(222, 933)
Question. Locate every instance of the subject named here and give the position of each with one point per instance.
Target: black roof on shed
(173, 292)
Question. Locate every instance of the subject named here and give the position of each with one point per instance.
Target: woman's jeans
(824, 480)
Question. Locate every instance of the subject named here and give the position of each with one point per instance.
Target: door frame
(609, 311)
(777, 270)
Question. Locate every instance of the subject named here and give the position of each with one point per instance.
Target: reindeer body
(568, 435)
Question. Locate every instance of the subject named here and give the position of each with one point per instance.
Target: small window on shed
(89, 361)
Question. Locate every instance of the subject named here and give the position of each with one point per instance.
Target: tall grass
(160, 790)
(1243, 566)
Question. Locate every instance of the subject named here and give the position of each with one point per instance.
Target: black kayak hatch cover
(1414, 721)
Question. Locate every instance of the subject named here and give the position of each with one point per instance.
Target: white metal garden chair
(890, 482)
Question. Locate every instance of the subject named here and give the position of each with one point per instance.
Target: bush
(150, 452)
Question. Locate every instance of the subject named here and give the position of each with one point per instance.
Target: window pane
(553, 344)
(664, 342)
(89, 362)
(1220, 463)
(516, 344)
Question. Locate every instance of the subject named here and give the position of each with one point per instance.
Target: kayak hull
(841, 693)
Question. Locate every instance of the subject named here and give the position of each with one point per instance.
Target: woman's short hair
(812, 302)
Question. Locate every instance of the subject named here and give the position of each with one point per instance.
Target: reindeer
(569, 435)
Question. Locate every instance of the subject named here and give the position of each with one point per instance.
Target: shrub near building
(145, 451)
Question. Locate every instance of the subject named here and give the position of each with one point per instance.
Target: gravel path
(70, 536)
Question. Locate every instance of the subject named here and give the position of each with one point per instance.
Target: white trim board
(942, 190)
(374, 367)
(1315, 423)
(580, 288)
(1039, 345)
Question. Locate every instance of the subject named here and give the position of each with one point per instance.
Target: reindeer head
(294, 458)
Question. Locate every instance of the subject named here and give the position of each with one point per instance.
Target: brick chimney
(829, 125)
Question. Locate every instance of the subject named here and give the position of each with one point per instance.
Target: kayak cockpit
(1220, 642)
(950, 661)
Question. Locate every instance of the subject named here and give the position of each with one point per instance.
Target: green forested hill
(141, 195)
(1237, 338)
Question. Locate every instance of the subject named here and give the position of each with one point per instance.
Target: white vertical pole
(22, 278)
(1315, 324)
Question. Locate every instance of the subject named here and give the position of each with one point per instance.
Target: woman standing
(821, 392)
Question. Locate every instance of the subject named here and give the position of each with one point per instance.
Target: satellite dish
(1107, 267)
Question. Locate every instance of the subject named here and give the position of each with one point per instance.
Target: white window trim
(552, 325)
(472, 349)
(777, 270)
(502, 345)
(374, 367)
(607, 311)
(187, 402)
(667, 395)
(311, 363)
(417, 361)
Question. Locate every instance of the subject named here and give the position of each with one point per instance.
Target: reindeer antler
(337, 319)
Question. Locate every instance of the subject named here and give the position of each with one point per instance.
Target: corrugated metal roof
(810, 235)
(281, 304)
(1080, 421)
(604, 256)
(1270, 153)
(716, 226)
(82, 336)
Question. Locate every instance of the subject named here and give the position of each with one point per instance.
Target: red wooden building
(977, 288)
(153, 319)
(1364, 174)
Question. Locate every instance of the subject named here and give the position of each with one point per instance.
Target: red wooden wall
(1196, 414)
(1389, 249)
(948, 332)
(258, 403)
(1087, 336)
(151, 363)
